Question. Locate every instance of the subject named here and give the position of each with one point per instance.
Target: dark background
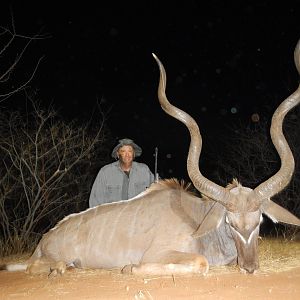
(225, 61)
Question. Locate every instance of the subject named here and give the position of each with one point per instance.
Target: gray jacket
(108, 185)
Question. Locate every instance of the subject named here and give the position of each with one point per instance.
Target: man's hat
(123, 142)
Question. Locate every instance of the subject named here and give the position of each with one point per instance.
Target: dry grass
(14, 258)
(277, 255)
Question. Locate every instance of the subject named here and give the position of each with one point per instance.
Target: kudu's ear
(211, 221)
(279, 214)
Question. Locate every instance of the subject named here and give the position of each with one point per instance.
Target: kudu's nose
(249, 269)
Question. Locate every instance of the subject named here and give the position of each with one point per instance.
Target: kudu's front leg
(171, 263)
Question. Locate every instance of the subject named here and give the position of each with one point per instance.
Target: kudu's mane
(233, 184)
(174, 184)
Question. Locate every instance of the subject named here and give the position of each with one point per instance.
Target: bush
(46, 172)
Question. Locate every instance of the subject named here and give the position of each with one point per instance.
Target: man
(122, 179)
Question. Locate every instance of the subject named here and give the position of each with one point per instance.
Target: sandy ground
(278, 279)
(103, 284)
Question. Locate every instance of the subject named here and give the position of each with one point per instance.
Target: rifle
(156, 176)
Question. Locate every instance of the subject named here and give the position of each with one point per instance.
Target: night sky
(225, 60)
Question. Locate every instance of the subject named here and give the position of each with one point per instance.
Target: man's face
(126, 154)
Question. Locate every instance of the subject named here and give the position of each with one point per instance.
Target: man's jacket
(110, 180)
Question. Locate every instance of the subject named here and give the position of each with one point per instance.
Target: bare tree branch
(9, 37)
(50, 162)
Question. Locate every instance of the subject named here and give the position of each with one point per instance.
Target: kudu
(241, 206)
(166, 229)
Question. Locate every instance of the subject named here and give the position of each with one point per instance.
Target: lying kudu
(241, 207)
(166, 229)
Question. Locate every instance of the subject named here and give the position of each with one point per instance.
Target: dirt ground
(278, 279)
(102, 284)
